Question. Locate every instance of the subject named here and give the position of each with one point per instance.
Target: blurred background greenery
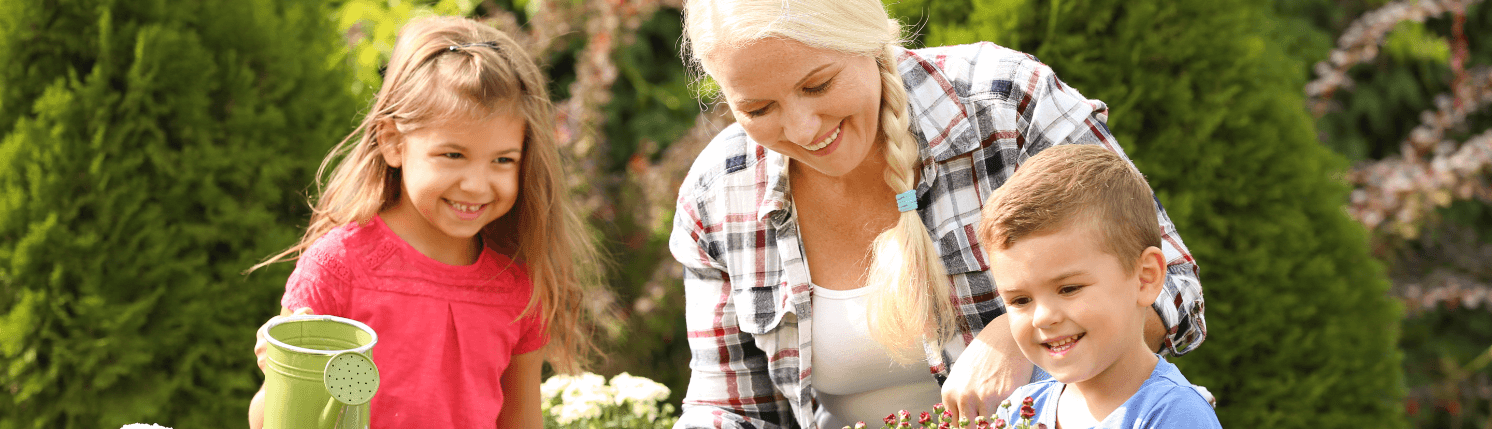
(1327, 162)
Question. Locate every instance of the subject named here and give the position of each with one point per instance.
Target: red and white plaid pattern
(979, 111)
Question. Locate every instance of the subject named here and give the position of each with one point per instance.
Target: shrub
(152, 150)
(1301, 332)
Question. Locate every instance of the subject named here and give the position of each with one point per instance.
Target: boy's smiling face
(1074, 310)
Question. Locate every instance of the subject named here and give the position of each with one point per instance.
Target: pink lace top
(445, 332)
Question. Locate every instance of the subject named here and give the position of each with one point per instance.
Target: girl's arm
(520, 384)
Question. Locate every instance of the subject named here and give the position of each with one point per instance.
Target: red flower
(903, 415)
(946, 417)
(890, 419)
(1028, 401)
(1027, 412)
(999, 423)
(925, 418)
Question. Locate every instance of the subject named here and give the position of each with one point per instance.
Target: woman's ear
(1152, 274)
(390, 142)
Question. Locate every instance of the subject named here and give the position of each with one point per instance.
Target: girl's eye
(451, 155)
(1018, 301)
(1069, 289)
(505, 160)
(820, 89)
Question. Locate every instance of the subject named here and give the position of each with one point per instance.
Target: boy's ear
(390, 143)
(1152, 274)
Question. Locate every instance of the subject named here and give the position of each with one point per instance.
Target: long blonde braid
(911, 297)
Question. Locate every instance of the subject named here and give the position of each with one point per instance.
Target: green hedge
(152, 150)
(1301, 331)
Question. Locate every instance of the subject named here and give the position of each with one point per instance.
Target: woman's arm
(729, 385)
(986, 372)
(1059, 114)
(521, 399)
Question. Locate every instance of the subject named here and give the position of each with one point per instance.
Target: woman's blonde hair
(446, 68)
(911, 296)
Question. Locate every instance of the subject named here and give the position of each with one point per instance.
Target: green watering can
(320, 373)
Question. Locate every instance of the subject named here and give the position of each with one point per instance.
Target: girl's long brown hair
(446, 68)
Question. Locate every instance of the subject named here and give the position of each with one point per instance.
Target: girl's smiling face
(457, 176)
(816, 106)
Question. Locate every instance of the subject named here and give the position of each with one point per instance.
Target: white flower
(570, 412)
(587, 397)
(638, 389)
(552, 387)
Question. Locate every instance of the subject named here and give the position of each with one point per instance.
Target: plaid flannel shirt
(978, 112)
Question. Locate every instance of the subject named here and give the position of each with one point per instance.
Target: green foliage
(651, 106)
(372, 26)
(1301, 333)
(150, 151)
(651, 100)
(1409, 41)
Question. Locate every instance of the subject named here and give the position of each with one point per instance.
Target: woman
(828, 234)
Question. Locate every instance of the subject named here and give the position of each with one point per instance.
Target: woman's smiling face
(819, 107)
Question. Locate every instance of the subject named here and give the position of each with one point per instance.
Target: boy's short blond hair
(1068, 183)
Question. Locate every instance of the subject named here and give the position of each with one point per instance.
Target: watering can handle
(344, 416)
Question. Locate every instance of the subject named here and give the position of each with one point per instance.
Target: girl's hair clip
(454, 48)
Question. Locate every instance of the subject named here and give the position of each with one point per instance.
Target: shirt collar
(934, 104)
(774, 183)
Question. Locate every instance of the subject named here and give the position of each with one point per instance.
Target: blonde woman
(832, 273)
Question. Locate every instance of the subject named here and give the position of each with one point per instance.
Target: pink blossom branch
(1430, 171)
(1360, 43)
(1442, 288)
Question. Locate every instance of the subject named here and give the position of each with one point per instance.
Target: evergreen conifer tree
(1301, 333)
(150, 152)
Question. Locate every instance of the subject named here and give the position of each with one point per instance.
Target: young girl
(446, 228)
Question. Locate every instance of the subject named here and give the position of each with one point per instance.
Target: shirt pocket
(760, 309)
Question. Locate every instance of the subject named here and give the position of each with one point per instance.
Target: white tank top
(854, 377)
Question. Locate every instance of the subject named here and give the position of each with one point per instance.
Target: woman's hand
(261, 347)
(986, 373)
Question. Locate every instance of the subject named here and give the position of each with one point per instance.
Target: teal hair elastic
(906, 201)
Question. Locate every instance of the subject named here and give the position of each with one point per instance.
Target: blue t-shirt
(1166, 400)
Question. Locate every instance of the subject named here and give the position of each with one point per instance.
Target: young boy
(1074, 247)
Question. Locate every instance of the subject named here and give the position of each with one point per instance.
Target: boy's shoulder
(1166, 400)
(1169, 400)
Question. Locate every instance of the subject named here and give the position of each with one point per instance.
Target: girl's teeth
(464, 207)
(827, 140)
